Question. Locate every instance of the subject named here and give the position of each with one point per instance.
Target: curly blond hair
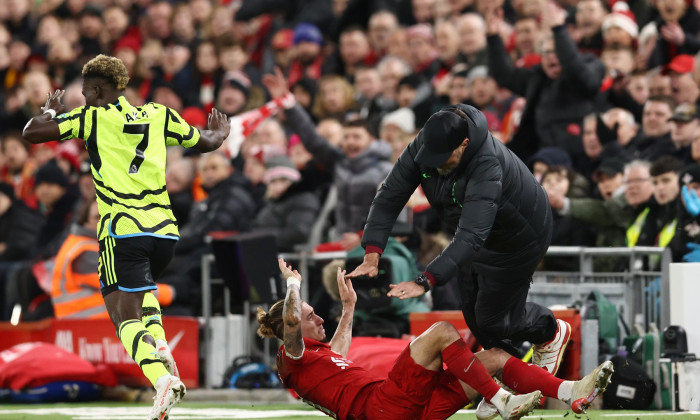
(109, 68)
(271, 324)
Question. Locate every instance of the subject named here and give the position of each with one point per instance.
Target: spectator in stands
(416, 93)
(589, 21)
(678, 25)
(685, 128)
(177, 71)
(368, 86)
(56, 197)
(558, 96)
(482, 95)
(75, 285)
(614, 216)
(289, 212)
(685, 245)
(354, 51)
(381, 24)
(656, 224)
(398, 129)
(18, 169)
(656, 129)
(18, 226)
(527, 35)
(424, 55)
(335, 98)
(684, 88)
(447, 47)
(659, 83)
(308, 60)
(282, 53)
(359, 165)
(472, 40)
(391, 70)
(179, 176)
(638, 87)
(305, 92)
(233, 93)
(567, 231)
(208, 74)
(228, 207)
(620, 26)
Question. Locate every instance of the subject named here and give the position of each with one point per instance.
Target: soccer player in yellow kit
(137, 229)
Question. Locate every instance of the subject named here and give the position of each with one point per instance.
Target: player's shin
(131, 334)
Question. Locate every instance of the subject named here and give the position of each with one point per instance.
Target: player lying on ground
(417, 385)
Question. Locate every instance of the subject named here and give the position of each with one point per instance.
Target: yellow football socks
(131, 334)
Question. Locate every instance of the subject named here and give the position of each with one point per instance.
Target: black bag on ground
(248, 372)
(630, 387)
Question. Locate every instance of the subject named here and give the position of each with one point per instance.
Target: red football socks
(525, 377)
(462, 363)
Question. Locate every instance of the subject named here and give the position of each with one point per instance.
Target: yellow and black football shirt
(127, 148)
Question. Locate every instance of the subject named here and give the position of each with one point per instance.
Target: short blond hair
(109, 68)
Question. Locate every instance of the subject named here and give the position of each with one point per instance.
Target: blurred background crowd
(598, 97)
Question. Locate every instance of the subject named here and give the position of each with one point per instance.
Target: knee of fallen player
(442, 334)
(493, 359)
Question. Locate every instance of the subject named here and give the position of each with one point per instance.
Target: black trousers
(495, 307)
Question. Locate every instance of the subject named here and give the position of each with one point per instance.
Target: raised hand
(287, 271)
(218, 121)
(347, 294)
(53, 101)
(367, 268)
(276, 84)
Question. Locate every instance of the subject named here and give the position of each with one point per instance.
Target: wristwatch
(423, 281)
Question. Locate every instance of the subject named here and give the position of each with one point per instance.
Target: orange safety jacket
(75, 286)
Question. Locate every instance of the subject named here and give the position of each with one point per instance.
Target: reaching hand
(53, 101)
(367, 268)
(347, 294)
(287, 271)
(276, 84)
(552, 14)
(218, 121)
(694, 254)
(405, 290)
(494, 17)
(691, 201)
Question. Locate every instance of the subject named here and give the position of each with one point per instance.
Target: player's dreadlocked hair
(271, 324)
(109, 68)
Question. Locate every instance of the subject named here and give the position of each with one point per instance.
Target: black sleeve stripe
(169, 116)
(103, 197)
(81, 132)
(91, 141)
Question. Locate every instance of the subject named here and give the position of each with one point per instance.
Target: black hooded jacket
(499, 212)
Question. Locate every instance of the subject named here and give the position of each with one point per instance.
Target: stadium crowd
(600, 99)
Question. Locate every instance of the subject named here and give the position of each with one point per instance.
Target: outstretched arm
(219, 128)
(293, 343)
(340, 343)
(43, 128)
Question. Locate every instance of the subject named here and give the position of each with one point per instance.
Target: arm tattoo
(293, 343)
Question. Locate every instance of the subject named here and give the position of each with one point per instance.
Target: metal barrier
(641, 292)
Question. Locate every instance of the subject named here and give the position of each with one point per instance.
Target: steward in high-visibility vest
(75, 287)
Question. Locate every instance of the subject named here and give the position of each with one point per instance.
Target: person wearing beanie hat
(233, 94)
(620, 26)
(290, 210)
(398, 128)
(308, 59)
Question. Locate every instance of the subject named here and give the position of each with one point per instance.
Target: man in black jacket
(502, 223)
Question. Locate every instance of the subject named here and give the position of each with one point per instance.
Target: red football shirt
(323, 378)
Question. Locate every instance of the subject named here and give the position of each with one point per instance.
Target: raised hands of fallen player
(348, 297)
(218, 121)
(287, 270)
(53, 101)
(405, 290)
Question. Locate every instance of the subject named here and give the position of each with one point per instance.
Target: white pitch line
(137, 413)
